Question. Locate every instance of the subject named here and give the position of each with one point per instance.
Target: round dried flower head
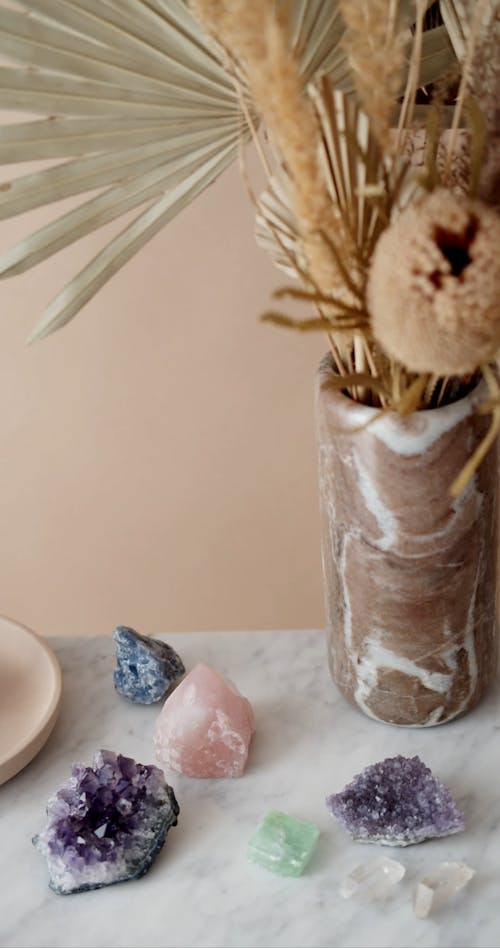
(434, 285)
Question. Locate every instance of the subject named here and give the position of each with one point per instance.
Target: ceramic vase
(409, 571)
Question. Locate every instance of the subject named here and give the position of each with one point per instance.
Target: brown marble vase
(409, 572)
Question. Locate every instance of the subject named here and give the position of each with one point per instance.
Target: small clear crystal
(440, 885)
(373, 880)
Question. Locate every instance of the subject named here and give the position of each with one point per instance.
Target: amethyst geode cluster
(106, 824)
(396, 802)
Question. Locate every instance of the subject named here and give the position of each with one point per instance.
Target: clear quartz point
(440, 885)
(373, 880)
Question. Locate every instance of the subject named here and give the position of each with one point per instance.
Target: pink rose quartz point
(205, 727)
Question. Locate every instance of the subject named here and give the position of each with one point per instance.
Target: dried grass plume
(257, 36)
(375, 46)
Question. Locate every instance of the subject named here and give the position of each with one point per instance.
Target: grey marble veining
(202, 891)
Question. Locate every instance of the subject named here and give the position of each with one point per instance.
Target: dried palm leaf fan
(140, 106)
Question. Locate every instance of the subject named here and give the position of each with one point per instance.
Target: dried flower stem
(408, 105)
(477, 22)
(254, 131)
(375, 49)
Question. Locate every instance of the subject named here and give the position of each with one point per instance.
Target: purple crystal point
(106, 824)
(396, 802)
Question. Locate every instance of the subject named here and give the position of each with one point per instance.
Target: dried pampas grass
(375, 42)
(258, 37)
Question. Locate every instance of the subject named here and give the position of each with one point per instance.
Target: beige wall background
(157, 457)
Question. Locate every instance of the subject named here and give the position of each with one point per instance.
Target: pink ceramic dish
(30, 695)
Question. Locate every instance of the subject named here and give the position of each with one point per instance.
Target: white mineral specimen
(373, 880)
(440, 885)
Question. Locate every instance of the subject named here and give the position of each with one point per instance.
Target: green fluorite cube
(283, 844)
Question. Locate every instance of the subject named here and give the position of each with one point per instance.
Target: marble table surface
(202, 891)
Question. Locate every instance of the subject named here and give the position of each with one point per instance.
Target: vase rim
(406, 434)
(326, 369)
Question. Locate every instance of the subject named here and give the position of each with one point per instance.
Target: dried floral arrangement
(377, 124)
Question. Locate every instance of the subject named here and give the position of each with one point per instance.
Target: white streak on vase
(470, 495)
(424, 429)
(377, 657)
(468, 644)
(436, 717)
(386, 520)
(345, 593)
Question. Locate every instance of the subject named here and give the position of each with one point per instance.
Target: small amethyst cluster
(106, 824)
(398, 802)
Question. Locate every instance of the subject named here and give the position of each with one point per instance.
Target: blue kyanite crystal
(397, 802)
(146, 668)
(106, 824)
